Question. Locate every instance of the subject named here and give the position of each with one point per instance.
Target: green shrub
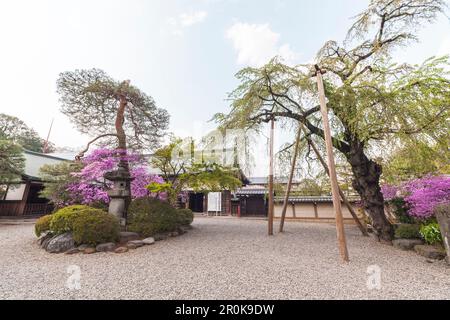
(93, 226)
(148, 216)
(42, 225)
(62, 220)
(407, 231)
(185, 216)
(431, 233)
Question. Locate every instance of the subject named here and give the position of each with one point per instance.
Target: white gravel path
(222, 258)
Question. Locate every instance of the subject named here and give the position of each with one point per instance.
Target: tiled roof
(312, 199)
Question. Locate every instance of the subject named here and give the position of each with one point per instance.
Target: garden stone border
(64, 243)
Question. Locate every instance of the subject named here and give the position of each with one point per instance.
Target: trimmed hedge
(148, 216)
(94, 226)
(185, 216)
(63, 219)
(407, 231)
(88, 225)
(42, 225)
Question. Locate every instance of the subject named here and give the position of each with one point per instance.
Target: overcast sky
(182, 53)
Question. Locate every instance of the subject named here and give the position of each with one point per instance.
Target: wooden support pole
(291, 176)
(341, 193)
(271, 200)
(332, 168)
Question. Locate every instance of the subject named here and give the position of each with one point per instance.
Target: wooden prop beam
(341, 193)
(332, 168)
(271, 199)
(291, 176)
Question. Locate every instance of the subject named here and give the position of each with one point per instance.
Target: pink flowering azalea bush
(421, 196)
(90, 186)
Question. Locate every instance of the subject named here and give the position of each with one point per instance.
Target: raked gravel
(222, 258)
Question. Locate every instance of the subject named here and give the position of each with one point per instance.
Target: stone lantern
(119, 193)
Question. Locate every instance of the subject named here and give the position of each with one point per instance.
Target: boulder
(106, 247)
(89, 250)
(148, 241)
(83, 247)
(45, 240)
(160, 236)
(126, 236)
(430, 252)
(121, 250)
(406, 244)
(134, 244)
(61, 243)
(72, 251)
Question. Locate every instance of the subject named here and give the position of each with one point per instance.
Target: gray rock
(148, 241)
(126, 236)
(174, 234)
(134, 244)
(430, 252)
(72, 251)
(121, 250)
(160, 236)
(105, 247)
(406, 244)
(61, 243)
(45, 240)
(89, 250)
(83, 247)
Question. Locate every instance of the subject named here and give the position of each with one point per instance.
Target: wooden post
(23, 202)
(271, 200)
(331, 166)
(291, 176)
(316, 210)
(341, 193)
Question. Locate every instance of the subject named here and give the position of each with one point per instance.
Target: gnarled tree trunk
(122, 144)
(366, 182)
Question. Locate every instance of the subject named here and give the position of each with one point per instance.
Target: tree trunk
(122, 145)
(366, 182)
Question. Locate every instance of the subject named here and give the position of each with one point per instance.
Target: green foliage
(63, 219)
(210, 177)
(14, 129)
(180, 171)
(400, 210)
(407, 231)
(185, 216)
(431, 233)
(88, 225)
(57, 178)
(42, 225)
(90, 98)
(158, 188)
(12, 162)
(94, 226)
(416, 159)
(148, 216)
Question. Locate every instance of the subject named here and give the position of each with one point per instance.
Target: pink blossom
(92, 187)
(421, 195)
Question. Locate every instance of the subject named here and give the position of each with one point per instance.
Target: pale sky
(182, 53)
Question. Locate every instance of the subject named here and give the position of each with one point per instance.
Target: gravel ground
(222, 258)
